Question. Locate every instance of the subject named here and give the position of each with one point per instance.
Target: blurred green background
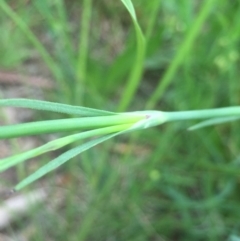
(163, 183)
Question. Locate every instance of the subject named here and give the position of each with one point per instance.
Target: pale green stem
(63, 125)
(202, 114)
(154, 118)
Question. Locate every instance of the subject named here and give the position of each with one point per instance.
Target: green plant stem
(202, 114)
(63, 125)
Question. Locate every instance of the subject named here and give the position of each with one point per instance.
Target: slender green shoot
(98, 125)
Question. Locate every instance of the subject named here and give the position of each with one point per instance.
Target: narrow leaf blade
(69, 155)
(56, 144)
(61, 160)
(54, 107)
(213, 121)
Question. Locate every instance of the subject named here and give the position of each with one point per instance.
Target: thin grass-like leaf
(61, 160)
(54, 107)
(56, 144)
(214, 121)
(70, 154)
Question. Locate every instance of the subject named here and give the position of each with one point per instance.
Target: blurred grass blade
(56, 71)
(213, 121)
(186, 45)
(153, 18)
(81, 68)
(61, 160)
(56, 144)
(65, 27)
(57, 23)
(55, 107)
(137, 68)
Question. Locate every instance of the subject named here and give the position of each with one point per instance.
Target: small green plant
(100, 124)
